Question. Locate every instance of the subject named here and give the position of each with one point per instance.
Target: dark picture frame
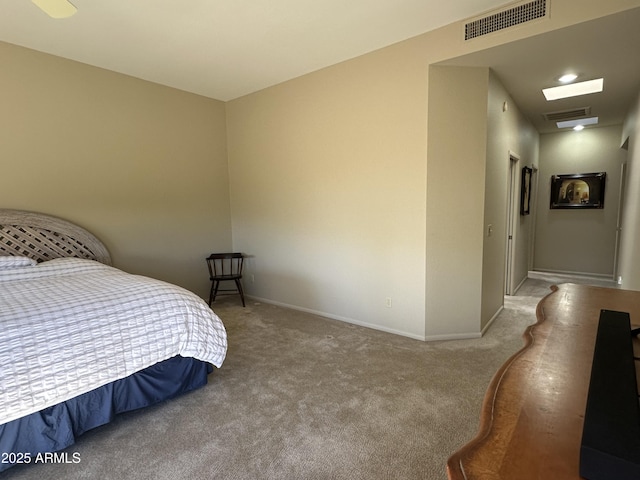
(525, 191)
(579, 190)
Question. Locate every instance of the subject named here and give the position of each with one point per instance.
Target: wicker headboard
(43, 237)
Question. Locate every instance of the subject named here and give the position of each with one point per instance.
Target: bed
(81, 341)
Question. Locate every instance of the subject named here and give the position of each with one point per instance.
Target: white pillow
(9, 262)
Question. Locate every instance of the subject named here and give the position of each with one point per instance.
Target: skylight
(577, 122)
(574, 89)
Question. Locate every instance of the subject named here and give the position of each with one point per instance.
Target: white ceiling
(606, 47)
(225, 48)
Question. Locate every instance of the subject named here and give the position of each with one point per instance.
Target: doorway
(512, 212)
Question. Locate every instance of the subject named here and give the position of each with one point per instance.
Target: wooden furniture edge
(455, 467)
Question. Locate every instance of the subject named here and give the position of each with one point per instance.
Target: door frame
(621, 202)
(533, 212)
(513, 190)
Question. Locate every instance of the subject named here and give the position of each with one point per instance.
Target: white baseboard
(515, 291)
(491, 320)
(426, 338)
(340, 318)
(573, 277)
(453, 336)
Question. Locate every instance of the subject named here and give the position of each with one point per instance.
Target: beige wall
(508, 133)
(335, 196)
(141, 166)
(455, 199)
(629, 255)
(469, 169)
(328, 179)
(579, 241)
(328, 191)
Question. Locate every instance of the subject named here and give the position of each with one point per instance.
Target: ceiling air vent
(521, 13)
(567, 114)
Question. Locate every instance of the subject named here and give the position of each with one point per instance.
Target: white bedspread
(68, 326)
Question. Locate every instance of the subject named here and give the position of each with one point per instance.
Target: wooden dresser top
(533, 412)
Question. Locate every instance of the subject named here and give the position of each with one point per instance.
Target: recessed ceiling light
(56, 8)
(574, 89)
(577, 128)
(569, 77)
(581, 122)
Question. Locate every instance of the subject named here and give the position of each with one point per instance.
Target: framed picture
(580, 190)
(525, 191)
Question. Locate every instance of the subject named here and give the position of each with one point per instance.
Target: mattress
(69, 326)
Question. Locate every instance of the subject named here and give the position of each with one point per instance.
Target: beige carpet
(303, 397)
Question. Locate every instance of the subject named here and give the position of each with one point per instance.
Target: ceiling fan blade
(56, 8)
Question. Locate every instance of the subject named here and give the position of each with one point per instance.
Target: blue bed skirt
(57, 427)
